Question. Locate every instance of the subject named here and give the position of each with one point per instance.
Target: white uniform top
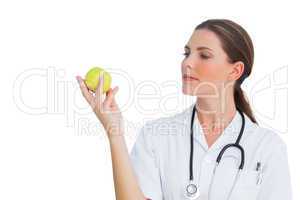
(160, 159)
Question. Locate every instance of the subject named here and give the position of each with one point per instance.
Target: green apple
(92, 79)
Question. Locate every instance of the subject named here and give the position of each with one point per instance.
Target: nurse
(174, 158)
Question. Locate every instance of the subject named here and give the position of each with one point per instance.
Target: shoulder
(261, 142)
(261, 134)
(265, 141)
(159, 131)
(169, 124)
(270, 137)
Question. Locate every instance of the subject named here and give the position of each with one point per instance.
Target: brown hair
(238, 46)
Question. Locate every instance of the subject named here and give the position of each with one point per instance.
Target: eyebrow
(198, 48)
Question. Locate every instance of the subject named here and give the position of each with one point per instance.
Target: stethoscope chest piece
(192, 191)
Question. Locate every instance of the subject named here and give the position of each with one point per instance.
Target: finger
(84, 90)
(110, 96)
(99, 90)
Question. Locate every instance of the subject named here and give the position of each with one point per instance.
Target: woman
(175, 162)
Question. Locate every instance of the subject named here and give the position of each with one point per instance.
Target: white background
(51, 144)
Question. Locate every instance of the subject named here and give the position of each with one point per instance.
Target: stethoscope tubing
(223, 150)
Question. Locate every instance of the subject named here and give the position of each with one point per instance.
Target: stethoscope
(192, 191)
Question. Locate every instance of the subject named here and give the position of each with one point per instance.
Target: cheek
(210, 71)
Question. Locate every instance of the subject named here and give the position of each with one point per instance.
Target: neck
(215, 114)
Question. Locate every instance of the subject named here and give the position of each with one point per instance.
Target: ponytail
(242, 104)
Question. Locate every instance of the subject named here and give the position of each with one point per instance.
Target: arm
(126, 185)
(108, 113)
(145, 162)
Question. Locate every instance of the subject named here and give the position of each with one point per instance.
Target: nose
(188, 62)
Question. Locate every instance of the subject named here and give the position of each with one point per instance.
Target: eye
(185, 54)
(204, 56)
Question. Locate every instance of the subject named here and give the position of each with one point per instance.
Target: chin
(191, 91)
(188, 91)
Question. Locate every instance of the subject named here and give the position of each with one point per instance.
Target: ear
(236, 71)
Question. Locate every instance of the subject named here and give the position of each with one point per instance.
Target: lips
(187, 77)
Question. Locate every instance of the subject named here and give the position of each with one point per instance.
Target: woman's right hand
(108, 112)
(105, 107)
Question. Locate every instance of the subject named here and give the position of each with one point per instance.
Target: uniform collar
(229, 134)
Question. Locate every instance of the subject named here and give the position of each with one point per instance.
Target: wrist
(114, 130)
(114, 137)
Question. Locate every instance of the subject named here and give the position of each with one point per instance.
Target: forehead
(204, 37)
